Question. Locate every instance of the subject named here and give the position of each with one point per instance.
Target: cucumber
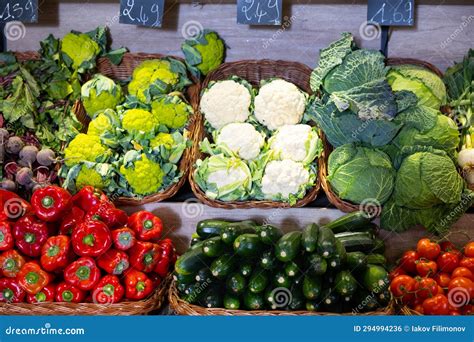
(288, 247)
(338, 259)
(292, 269)
(365, 301)
(346, 285)
(317, 265)
(311, 287)
(309, 239)
(379, 246)
(246, 269)
(258, 281)
(268, 260)
(384, 297)
(194, 240)
(253, 301)
(196, 245)
(204, 275)
(193, 293)
(231, 302)
(312, 305)
(231, 232)
(223, 266)
(350, 222)
(270, 234)
(214, 247)
(356, 260)
(210, 228)
(248, 245)
(183, 278)
(181, 287)
(236, 283)
(358, 241)
(191, 261)
(326, 243)
(297, 300)
(376, 259)
(212, 299)
(280, 279)
(329, 297)
(375, 278)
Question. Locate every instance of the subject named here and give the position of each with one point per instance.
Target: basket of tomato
(435, 279)
(80, 255)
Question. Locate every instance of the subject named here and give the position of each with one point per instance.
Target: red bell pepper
(10, 291)
(123, 238)
(6, 237)
(137, 285)
(89, 197)
(113, 261)
(56, 253)
(30, 234)
(146, 225)
(155, 278)
(12, 206)
(69, 293)
(167, 257)
(32, 278)
(144, 256)
(82, 273)
(91, 238)
(109, 214)
(71, 220)
(47, 294)
(10, 263)
(108, 290)
(51, 203)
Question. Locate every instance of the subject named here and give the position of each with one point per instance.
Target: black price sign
(19, 10)
(391, 12)
(142, 12)
(259, 12)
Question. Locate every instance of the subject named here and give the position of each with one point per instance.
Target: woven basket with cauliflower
(252, 147)
(136, 145)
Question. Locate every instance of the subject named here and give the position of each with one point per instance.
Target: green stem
(32, 278)
(67, 296)
(109, 290)
(30, 237)
(89, 240)
(140, 286)
(148, 224)
(47, 202)
(83, 272)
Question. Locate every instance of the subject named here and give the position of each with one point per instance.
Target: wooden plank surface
(443, 32)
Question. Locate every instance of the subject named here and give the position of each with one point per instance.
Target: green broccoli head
(100, 93)
(171, 111)
(144, 176)
(80, 48)
(204, 53)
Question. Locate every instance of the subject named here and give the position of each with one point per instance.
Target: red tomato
(447, 246)
(462, 282)
(426, 267)
(440, 290)
(448, 261)
(428, 249)
(402, 287)
(469, 250)
(467, 262)
(418, 308)
(442, 279)
(426, 288)
(396, 272)
(462, 272)
(437, 305)
(408, 261)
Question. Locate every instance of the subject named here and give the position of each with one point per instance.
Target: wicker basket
(182, 307)
(339, 203)
(253, 71)
(126, 308)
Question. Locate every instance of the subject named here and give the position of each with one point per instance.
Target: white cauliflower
(283, 178)
(299, 143)
(226, 102)
(279, 103)
(242, 139)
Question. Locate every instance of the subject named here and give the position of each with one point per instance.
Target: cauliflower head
(80, 48)
(162, 139)
(279, 103)
(171, 111)
(242, 139)
(226, 102)
(139, 120)
(145, 176)
(100, 93)
(204, 52)
(299, 143)
(157, 76)
(283, 178)
(85, 147)
(89, 176)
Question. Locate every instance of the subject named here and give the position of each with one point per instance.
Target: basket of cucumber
(242, 268)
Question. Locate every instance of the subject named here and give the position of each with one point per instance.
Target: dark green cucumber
(379, 246)
(330, 297)
(194, 293)
(345, 283)
(270, 234)
(312, 305)
(317, 265)
(350, 222)
(209, 228)
(326, 243)
(297, 301)
(258, 281)
(196, 245)
(376, 259)
(356, 260)
(231, 232)
(184, 278)
(288, 247)
(357, 241)
(191, 261)
(375, 278)
(384, 297)
(253, 301)
(223, 265)
(195, 238)
(236, 283)
(231, 302)
(268, 260)
(212, 299)
(204, 275)
(280, 279)
(338, 259)
(309, 239)
(292, 269)
(246, 268)
(214, 247)
(365, 301)
(248, 245)
(311, 287)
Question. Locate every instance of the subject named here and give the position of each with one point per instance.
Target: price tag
(19, 10)
(142, 12)
(259, 12)
(391, 12)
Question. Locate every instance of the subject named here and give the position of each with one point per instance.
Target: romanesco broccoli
(85, 148)
(171, 111)
(89, 177)
(139, 120)
(145, 177)
(80, 48)
(100, 93)
(99, 125)
(162, 139)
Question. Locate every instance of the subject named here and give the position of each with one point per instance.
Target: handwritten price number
(142, 18)
(16, 10)
(260, 13)
(397, 16)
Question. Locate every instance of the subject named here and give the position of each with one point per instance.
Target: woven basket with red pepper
(63, 250)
